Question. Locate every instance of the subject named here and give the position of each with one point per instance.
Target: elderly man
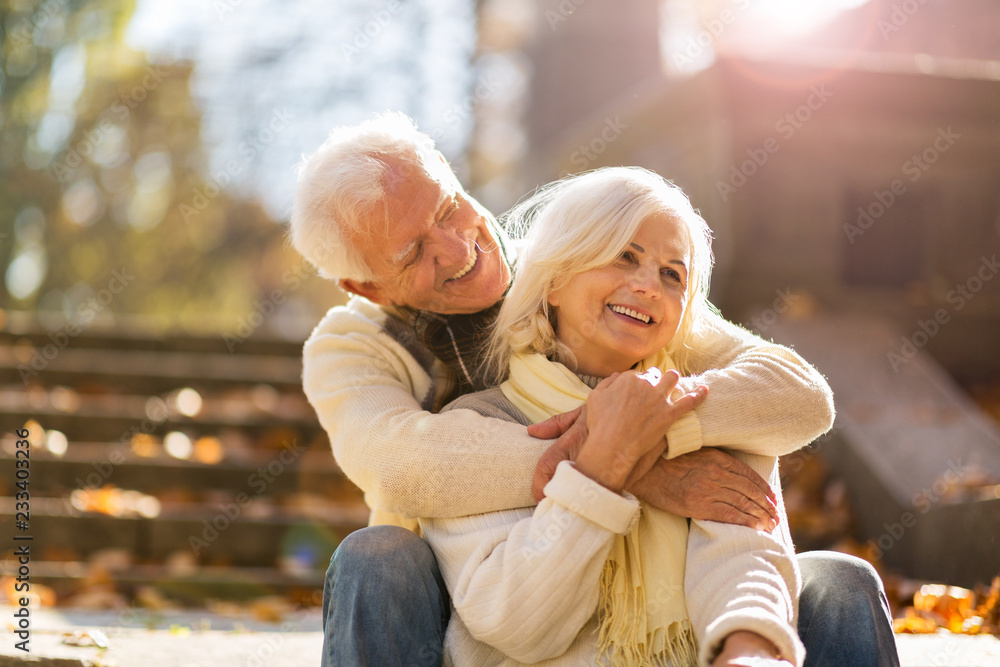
(379, 209)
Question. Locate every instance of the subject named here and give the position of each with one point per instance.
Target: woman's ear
(553, 296)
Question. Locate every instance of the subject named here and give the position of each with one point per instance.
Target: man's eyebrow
(404, 254)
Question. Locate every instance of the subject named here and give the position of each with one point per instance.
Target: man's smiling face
(430, 247)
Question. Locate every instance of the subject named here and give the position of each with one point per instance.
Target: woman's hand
(627, 417)
(748, 649)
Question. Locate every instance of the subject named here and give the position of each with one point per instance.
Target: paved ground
(202, 639)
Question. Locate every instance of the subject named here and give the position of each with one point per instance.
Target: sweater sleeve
(363, 385)
(737, 578)
(527, 582)
(763, 398)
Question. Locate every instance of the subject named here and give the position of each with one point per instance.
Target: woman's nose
(646, 280)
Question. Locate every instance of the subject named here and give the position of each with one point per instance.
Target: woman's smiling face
(614, 316)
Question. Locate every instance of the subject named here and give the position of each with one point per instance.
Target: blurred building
(855, 165)
(848, 164)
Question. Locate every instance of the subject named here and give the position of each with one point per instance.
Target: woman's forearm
(740, 579)
(527, 582)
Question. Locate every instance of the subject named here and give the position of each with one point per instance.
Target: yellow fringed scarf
(642, 613)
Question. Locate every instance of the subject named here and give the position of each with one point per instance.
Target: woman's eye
(672, 274)
(627, 256)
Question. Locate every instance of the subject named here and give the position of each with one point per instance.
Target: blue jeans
(385, 604)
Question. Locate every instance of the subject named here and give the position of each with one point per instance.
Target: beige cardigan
(374, 389)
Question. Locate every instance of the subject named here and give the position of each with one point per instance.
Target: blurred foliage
(102, 170)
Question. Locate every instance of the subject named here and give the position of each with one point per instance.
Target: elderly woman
(607, 309)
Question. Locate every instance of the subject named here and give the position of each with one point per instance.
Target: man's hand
(710, 485)
(571, 430)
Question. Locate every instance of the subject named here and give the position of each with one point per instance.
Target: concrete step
(150, 370)
(94, 464)
(199, 638)
(920, 460)
(116, 416)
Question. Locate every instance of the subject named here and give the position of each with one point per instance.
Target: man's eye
(415, 258)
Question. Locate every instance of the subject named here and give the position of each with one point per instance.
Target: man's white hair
(343, 183)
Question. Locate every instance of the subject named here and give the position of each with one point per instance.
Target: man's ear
(367, 289)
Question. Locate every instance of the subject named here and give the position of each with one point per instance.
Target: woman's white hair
(341, 185)
(580, 223)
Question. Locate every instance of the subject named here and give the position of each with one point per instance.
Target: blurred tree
(106, 204)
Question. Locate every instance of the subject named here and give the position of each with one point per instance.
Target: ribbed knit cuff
(684, 436)
(782, 635)
(596, 503)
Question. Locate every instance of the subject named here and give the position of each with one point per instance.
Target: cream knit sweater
(374, 388)
(524, 583)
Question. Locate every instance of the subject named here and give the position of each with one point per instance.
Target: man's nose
(451, 244)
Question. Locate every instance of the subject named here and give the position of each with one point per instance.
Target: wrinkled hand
(571, 430)
(709, 485)
(627, 417)
(748, 649)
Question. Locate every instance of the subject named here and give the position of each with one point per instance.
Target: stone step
(24, 329)
(189, 587)
(92, 465)
(244, 530)
(115, 417)
(201, 638)
(150, 370)
(920, 460)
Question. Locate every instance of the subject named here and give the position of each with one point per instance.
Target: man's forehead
(411, 194)
(412, 199)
